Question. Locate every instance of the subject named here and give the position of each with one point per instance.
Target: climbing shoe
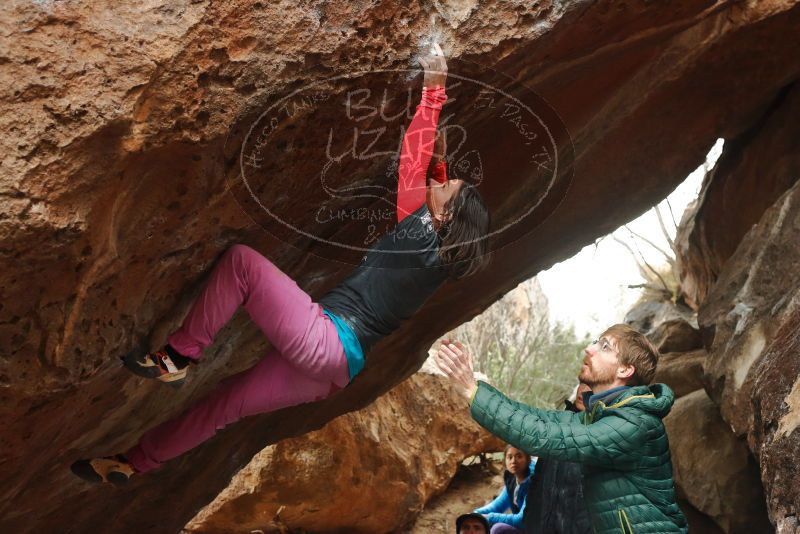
(113, 469)
(166, 365)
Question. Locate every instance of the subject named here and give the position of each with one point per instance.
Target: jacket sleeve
(500, 504)
(416, 152)
(553, 416)
(612, 441)
(515, 520)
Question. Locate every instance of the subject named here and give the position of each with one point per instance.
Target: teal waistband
(352, 347)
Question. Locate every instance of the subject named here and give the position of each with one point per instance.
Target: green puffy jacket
(623, 448)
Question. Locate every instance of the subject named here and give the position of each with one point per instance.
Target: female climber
(317, 347)
(517, 477)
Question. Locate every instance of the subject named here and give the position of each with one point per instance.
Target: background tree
(516, 347)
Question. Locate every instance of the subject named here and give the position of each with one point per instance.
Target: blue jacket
(495, 510)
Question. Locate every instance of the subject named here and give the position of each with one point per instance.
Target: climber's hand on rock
(435, 67)
(455, 361)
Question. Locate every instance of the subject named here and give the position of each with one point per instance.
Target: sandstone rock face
(749, 304)
(120, 143)
(673, 330)
(776, 414)
(714, 470)
(755, 169)
(753, 366)
(681, 371)
(369, 471)
(676, 336)
(671, 327)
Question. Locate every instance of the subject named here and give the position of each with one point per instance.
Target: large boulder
(677, 336)
(681, 371)
(121, 139)
(369, 471)
(754, 170)
(713, 468)
(753, 365)
(747, 306)
(671, 327)
(776, 416)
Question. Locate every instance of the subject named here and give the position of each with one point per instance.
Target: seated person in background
(472, 524)
(517, 477)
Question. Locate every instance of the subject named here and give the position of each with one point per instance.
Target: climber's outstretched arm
(418, 142)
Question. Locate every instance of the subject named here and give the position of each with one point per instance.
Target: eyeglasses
(605, 345)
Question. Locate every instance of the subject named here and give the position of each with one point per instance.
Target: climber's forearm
(417, 150)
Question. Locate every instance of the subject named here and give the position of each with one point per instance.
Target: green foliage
(514, 345)
(551, 372)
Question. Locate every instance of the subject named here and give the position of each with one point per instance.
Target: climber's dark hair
(464, 246)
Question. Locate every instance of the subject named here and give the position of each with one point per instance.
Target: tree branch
(664, 230)
(671, 213)
(643, 261)
(669, 257)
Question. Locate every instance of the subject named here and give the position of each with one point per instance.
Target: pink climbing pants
(306, 364)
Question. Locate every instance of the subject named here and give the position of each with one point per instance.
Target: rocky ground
(474, 485)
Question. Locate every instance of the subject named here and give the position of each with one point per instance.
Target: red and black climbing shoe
(113, 469)
(165, 365)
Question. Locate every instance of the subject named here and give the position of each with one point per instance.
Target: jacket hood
(656, 399)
